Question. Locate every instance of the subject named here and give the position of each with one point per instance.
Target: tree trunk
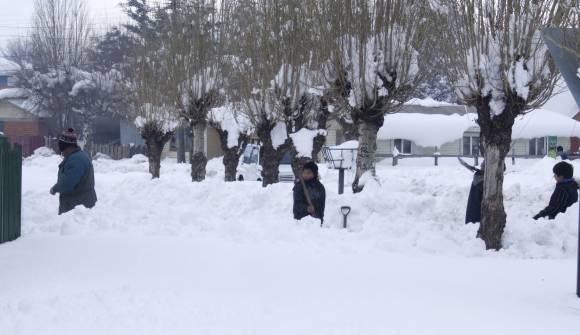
(198, 160)
(231, 155)
(349, 129)
(367, 147)
(495, 135)
(154, 150)
(180, 142)
(270, 156)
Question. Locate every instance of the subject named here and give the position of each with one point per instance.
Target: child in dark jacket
(314, 190)
(565, 194)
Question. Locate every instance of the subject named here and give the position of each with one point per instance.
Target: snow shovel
(467, 166)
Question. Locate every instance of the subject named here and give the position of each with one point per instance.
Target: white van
(250, 167)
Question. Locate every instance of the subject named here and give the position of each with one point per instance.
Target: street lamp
(345, 210)
(341, 158)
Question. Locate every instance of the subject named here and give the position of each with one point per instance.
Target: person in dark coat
(315, 191)
(473, 212)
(561, 153)
(565, 194)
(76, 178)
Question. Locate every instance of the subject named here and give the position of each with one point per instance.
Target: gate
(10, 190)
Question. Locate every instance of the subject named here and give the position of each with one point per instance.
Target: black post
(340, 181)
(395, 160)
(513, 160)
(436, 160)
(344, 221)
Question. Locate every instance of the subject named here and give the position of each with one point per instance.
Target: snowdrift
(413, 207)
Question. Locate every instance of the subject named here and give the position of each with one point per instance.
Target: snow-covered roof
(8, 67)
(426, 129)
(13, 93)
(437, 129)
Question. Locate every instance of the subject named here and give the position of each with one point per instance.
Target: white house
(425, 127)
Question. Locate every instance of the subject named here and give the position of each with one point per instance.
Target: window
(403, 146)
(286, 159)
(252, 154)
(470, 145)
(3, 81)
(537, 146)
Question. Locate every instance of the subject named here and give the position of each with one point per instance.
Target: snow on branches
(502, 55)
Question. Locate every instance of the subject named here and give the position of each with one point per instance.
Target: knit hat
(68, 136)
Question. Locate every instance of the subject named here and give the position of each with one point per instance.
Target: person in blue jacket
(76, 178)
(565, 194)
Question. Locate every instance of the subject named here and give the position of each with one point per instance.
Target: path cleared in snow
(173, 257)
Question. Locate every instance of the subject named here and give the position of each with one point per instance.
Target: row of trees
(283, 69)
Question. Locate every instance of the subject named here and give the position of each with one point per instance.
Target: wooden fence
(476, 159)
(117, 151)
(10, 190)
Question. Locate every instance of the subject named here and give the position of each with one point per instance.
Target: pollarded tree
(234, 131)
(260, 57)
(502, 68)
(155, 117)
(192, 56)
(376, 61)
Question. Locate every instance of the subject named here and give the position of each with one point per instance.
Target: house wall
(10, 111)
(22, 128)
(129, 133)
(331, 137)
(522, 146)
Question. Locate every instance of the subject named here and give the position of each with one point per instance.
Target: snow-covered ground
(169, 256)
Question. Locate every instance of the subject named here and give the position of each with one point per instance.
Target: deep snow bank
(415, 207)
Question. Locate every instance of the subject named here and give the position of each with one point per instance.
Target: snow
(517, 54)
(44, 152)
(347, 145)
(376, 55)
(163, 116)
(8, 67)
(426, 129)
(303, 140)
(428, 102)
(430, 130)
(147, 261)
(542, 122)
(519, 79)
(81, 85)
(279, 134)
(13, 93)
(234, 123)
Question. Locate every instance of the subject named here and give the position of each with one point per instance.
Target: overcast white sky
(15, 16)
